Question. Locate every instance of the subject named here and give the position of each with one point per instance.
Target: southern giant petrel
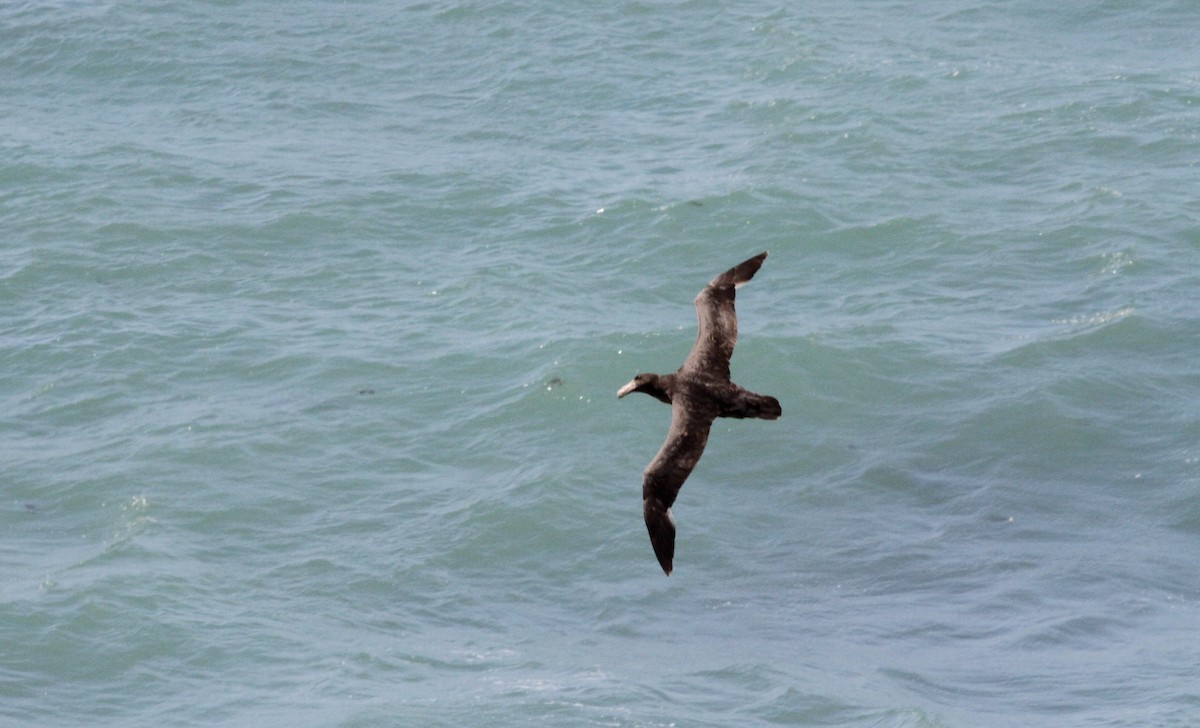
(699, 392)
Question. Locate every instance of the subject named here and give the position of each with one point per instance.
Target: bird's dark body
(699, 392)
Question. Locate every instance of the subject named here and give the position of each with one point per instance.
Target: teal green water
(314, 315)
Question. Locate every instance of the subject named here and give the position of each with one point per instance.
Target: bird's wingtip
(661, 525)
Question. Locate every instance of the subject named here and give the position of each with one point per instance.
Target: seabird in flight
(699, 392)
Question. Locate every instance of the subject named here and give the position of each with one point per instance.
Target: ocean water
(312, 317)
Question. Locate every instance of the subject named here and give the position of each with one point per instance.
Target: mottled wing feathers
(665, 474)
(717, 331)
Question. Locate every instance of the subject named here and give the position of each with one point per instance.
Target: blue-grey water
(312, 317)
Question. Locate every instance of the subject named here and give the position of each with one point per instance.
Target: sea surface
(312, 317)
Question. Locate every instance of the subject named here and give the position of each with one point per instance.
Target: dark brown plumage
(699, 392)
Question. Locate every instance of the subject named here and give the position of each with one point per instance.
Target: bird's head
(650, 384)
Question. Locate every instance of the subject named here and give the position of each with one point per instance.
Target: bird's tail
(751, 405)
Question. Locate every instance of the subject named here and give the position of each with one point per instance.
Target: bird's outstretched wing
(665, 474)
(717, 318)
